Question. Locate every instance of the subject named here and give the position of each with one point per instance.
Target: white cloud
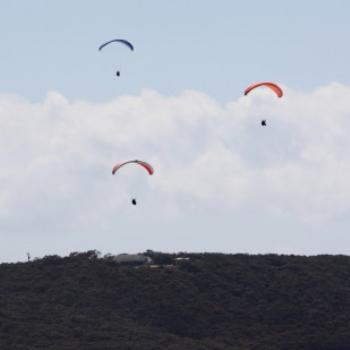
(57, 157)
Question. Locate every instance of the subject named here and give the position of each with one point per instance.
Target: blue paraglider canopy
(123, 41)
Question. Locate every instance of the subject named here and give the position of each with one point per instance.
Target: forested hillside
(209, 301)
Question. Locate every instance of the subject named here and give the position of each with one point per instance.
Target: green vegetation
(212, 301)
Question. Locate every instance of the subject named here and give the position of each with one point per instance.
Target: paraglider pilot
(117, 73)
(263, 122)
(133, 201)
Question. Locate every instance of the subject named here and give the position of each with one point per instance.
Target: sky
(222, 183)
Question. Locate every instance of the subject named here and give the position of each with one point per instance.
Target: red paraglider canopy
(147, 166)
(274, 87)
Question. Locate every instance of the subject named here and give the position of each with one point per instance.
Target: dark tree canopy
(181, 302)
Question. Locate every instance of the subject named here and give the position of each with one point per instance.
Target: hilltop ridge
(206, 301)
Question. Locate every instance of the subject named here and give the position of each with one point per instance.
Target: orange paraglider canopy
(145, 165)
(274, 87)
